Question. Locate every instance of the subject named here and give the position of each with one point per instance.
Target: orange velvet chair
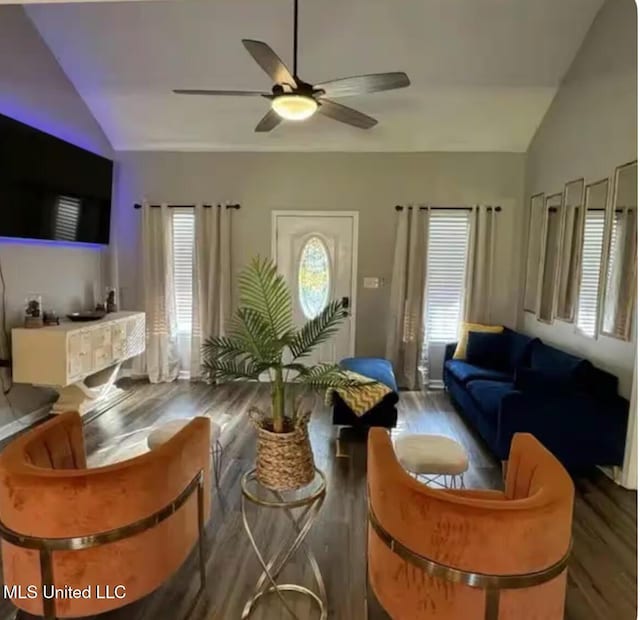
(129, 524)
(470, 554)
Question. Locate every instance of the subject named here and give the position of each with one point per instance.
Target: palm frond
(300, 369)
(231, 370)
(317, 330)
(224, 347)
(264, 290)
(327, 376)
(249, 328)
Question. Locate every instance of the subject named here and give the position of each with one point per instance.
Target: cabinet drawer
(101, 358)
(118, 338)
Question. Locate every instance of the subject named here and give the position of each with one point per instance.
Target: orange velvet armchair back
(47, 491)
(525, 529)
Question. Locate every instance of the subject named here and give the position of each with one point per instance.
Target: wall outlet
(370, 282)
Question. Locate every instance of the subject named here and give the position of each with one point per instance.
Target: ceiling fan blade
(269, 61)
(345, 115)
(228, 93)
(268, 122)
(360, 84)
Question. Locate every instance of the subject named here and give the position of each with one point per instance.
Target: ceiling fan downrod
(295, 39)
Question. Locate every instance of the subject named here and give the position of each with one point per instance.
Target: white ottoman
(434, 458)
(163, 432)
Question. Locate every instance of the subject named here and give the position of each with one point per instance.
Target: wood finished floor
(602, 575)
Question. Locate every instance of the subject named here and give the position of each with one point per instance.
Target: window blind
(590, 272)
(67, 216)
(446, 268)
(183, 242)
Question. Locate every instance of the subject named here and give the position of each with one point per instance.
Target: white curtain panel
(405, 327)
(480, 265)
(211, 279)
(161, 358)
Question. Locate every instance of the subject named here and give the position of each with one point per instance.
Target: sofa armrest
(449, 350)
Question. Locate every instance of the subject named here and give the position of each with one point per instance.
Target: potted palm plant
(263, 342)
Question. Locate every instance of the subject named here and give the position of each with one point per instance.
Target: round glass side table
(301, 509)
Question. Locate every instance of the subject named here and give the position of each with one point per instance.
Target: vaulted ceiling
(483, 72)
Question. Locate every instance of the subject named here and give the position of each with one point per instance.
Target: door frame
(355, 218)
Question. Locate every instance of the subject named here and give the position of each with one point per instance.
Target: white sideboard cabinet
(79, 360)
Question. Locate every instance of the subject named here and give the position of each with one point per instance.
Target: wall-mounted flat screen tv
(51, 189)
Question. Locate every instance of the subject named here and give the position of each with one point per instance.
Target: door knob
(345, 302)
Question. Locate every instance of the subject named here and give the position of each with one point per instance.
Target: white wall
(369, 183)
(589, 129)
(34, 90)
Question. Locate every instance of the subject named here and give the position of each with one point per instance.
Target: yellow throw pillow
(465, 328)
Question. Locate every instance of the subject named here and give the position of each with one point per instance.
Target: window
(446, 269)
(183, 242)
(313, 278)
(67, 216)
(590, 272)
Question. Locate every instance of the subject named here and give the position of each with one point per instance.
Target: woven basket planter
(284, 461)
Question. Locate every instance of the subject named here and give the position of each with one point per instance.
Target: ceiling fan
(293, 99)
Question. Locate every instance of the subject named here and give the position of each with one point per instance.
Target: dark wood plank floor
(602, 576)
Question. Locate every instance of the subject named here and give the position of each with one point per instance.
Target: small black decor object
(51, 317)
(110, 303)
(87, 315)
(33, 311)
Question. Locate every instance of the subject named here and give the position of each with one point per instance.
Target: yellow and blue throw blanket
(361, 399)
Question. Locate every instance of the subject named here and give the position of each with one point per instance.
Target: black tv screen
(51, 189)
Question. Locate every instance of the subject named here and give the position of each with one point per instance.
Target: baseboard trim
(615, 475)
(24, 422)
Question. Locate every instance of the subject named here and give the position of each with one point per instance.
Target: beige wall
(34, 90)
(590, 129)
(369, 183)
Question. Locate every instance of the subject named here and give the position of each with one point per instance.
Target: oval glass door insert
(313, 277)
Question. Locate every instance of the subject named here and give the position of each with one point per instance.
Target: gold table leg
(273, 567)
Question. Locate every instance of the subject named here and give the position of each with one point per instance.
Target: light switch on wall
(370, 282)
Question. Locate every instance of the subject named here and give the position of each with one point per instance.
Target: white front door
(315, 252)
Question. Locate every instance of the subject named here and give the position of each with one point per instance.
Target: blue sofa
(572, 407)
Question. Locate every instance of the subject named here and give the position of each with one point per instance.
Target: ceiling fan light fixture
(294, 107)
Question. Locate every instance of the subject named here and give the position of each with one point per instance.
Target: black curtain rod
(137, 205)
(400, 208)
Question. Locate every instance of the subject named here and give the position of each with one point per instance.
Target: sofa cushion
(465, 372)
(488, 350)
(550, 359)
(375, 368)
(518, 349)
(602, 384)
(488, 395)
(461, 349)
(531, 380)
